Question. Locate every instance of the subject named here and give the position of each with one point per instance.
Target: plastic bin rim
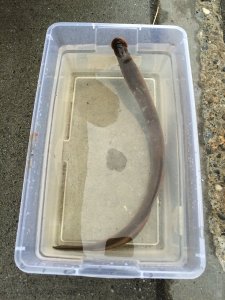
(116, 25)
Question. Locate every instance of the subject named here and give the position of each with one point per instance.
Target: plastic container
(88, 161)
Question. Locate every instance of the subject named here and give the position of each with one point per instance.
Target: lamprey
(139, 89)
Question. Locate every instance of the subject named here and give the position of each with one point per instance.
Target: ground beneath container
(212, 81)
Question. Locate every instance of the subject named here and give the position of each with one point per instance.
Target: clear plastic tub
(88, 160)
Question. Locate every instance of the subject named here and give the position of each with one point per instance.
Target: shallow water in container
(98, 163)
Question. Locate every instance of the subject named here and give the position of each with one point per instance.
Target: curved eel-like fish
(138, 87)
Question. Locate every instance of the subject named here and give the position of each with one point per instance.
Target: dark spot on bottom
(116, 160)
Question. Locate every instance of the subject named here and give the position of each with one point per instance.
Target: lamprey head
(119, 46)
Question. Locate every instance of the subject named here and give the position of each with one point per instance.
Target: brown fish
(138, 87)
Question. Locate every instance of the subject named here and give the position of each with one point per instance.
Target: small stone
(205, 47)
(221, 216)
(218, 187)
(208, 149)
(217, 172)
(206, 11)
(199, 15)
(223, 69)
